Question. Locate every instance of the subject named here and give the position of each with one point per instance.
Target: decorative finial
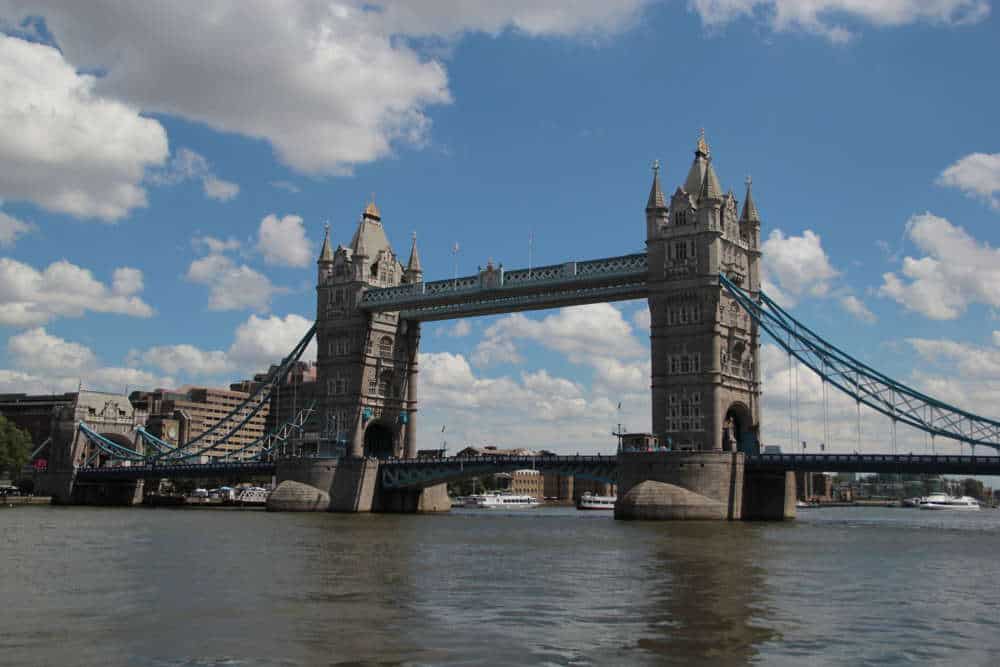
(326, 226)
(656, 167)
(702, 143)
(414, 235)
(749, 181)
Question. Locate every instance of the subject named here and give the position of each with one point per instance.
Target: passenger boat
(589, 501)
(497, 500)
(941, 501)
(253, 495)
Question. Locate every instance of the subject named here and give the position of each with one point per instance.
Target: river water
(552, 586)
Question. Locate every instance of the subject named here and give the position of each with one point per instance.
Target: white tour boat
(497, 500)
(942, 501)
(589, 501)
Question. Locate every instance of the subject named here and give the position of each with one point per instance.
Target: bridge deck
(500, 291)
(401, 473)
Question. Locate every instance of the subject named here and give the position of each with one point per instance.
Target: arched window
(385, 346)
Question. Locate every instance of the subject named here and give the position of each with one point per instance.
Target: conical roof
(326, 253)
(696, 175)
(750, 212)
(413, 266)
(710, 188)
(656, 199)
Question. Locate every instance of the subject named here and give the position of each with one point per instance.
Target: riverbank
(17, 501)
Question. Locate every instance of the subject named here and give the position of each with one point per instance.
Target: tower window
(680, 251)
(385, 347)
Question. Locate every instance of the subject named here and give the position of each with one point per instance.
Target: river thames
(552, 586)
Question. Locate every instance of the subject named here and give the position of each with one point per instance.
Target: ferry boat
(941, 501)
(253, 495)
(497, 500)
(589, 501)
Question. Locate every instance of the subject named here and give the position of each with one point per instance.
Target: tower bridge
(700, 276)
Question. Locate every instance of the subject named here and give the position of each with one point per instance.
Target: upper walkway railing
(495, 290)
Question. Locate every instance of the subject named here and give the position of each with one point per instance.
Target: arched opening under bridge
(738, 431)
(379, 441)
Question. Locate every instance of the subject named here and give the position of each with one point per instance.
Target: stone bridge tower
(704, 347)
(366, 364)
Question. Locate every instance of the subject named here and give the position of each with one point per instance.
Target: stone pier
(699, 485)
(347, 485)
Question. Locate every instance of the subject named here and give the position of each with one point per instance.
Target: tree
(15, 448)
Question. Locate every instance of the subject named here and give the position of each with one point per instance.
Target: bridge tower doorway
(379, 441)
(738, 431)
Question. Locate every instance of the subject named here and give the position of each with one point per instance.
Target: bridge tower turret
(365, 363)
(704, 348)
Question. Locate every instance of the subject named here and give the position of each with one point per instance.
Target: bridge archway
(738, 432)
(379, 441)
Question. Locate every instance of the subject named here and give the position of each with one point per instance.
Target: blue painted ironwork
(108, 446)
(498, 290)
(878, 463)
(861, 382)
(258, 398)
(420, 473)
(127, 471)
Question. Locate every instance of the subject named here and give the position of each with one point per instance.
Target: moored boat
(590, 501)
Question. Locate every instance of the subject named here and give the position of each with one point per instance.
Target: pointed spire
(710, 188)
(360, 248)
(696, 175)
(413, 266)
(656, 199)
(750, 212)
(371, 211)
(326, 253)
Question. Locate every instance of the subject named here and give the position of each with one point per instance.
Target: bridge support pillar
(346, 485)
(769, 495)
(680, 485)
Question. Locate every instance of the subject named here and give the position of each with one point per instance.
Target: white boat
(497, 500)
(589, 501)
(942, 501)
(253, 495)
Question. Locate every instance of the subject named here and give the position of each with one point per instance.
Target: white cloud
(283, 241)
(218, 189)
(956, 271)
(828, 17)
(126, 281)
(12, 229)
(37, 350)
(29, 297)
(977, 175)
(459, 329)
(530, 17)
(188, 165)
(65, 146)
(356, 85)
(996, 338)
(231, 286)
(45, 362)
(183, 360)
(641, 318)
(261, 341)
(857, 307)
(794, 266)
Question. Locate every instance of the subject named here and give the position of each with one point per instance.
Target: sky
(166, 171)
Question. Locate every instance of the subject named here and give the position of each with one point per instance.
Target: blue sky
(198, 148)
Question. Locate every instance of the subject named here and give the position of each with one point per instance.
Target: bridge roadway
(418, 473)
